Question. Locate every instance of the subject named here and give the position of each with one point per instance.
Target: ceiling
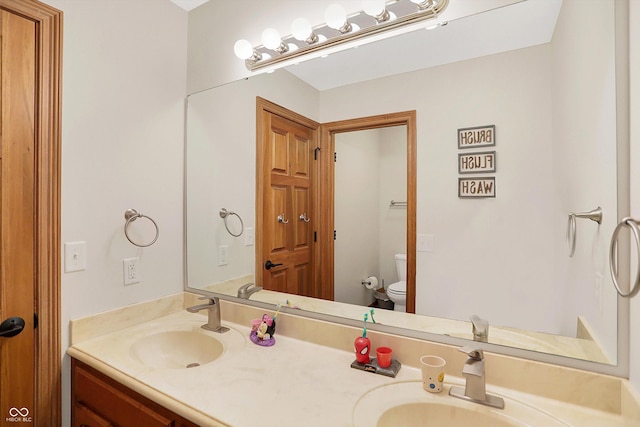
(516, 26)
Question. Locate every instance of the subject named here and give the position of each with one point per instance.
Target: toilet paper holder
(370, 282)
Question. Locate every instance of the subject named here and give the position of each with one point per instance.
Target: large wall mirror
(543, 75)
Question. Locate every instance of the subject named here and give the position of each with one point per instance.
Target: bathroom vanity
(298, 379)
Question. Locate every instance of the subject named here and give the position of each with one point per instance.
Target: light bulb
(271, 39)
(373, 7)
(243, 49)
(335, 16)
(301, 29)
(423, 4)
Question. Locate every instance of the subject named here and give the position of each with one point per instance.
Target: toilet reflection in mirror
(397, 292)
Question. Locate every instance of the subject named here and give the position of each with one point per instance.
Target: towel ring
(131, 215)
(613, 259)
(594, 215)
(224, 214)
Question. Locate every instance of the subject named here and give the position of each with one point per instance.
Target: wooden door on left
(30, 82)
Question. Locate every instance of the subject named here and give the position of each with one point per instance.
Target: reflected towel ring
(613, 258)
(224, 214)
(131, 215)
(594, 215)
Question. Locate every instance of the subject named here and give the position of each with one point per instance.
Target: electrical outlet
(131, 267)
(223, 255)
(598, 290)
(248, 236)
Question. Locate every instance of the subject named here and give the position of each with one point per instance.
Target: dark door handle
(269, 265)
(11, 327)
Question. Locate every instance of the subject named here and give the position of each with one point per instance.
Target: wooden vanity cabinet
(99, 401)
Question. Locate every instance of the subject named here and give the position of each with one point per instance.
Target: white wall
(584, 137)
(357, 194)
(124, 82)
(371, 171)
(221, 172)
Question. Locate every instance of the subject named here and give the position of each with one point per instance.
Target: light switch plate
(425, 242)
(75, 256)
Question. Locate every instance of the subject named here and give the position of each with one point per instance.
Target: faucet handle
(473, 352)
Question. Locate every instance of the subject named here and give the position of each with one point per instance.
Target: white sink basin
(407, 404)
(177, 349)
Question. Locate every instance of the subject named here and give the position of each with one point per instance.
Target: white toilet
(397, 292)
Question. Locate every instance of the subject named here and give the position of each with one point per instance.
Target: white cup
(432, 373)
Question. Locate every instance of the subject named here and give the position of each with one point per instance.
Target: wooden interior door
(30, 362)
(17, 233)
(286, 213)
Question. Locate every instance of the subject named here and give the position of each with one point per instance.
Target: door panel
(302, 236)
(301, 165)
(278, 241)
(285, 147)
(17, 228)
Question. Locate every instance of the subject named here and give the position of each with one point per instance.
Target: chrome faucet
(213, 322)
(245, 291)
(480, 328)
(475, 387)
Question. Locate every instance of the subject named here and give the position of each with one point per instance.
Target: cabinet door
(114, 402)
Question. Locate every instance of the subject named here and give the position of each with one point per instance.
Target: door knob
(11, 327)
(269, 265)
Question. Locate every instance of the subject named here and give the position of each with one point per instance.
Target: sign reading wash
(477, 187)
(477, 162)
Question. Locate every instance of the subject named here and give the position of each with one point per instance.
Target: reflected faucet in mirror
(245, 291)
(480, 329)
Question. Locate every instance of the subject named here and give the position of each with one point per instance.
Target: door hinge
(335, 233)
(35, 320)
(315, 153)
(335, 157)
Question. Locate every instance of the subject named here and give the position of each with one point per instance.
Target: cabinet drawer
(85, 417)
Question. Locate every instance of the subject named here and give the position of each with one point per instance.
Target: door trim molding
(327, 186)
(48, 349)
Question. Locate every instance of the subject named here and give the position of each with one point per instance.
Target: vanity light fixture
(340, 31)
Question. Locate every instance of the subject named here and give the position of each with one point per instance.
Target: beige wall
(124, 80)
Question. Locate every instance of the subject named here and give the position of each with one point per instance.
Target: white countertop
(293, 383)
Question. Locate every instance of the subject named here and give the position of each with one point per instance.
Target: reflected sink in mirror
(177, 349)
(406, 403)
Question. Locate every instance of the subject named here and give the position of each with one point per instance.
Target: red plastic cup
(384, 356)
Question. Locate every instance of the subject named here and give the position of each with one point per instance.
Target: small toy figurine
(263, 334)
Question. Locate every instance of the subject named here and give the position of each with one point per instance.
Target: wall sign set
(477, 162)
